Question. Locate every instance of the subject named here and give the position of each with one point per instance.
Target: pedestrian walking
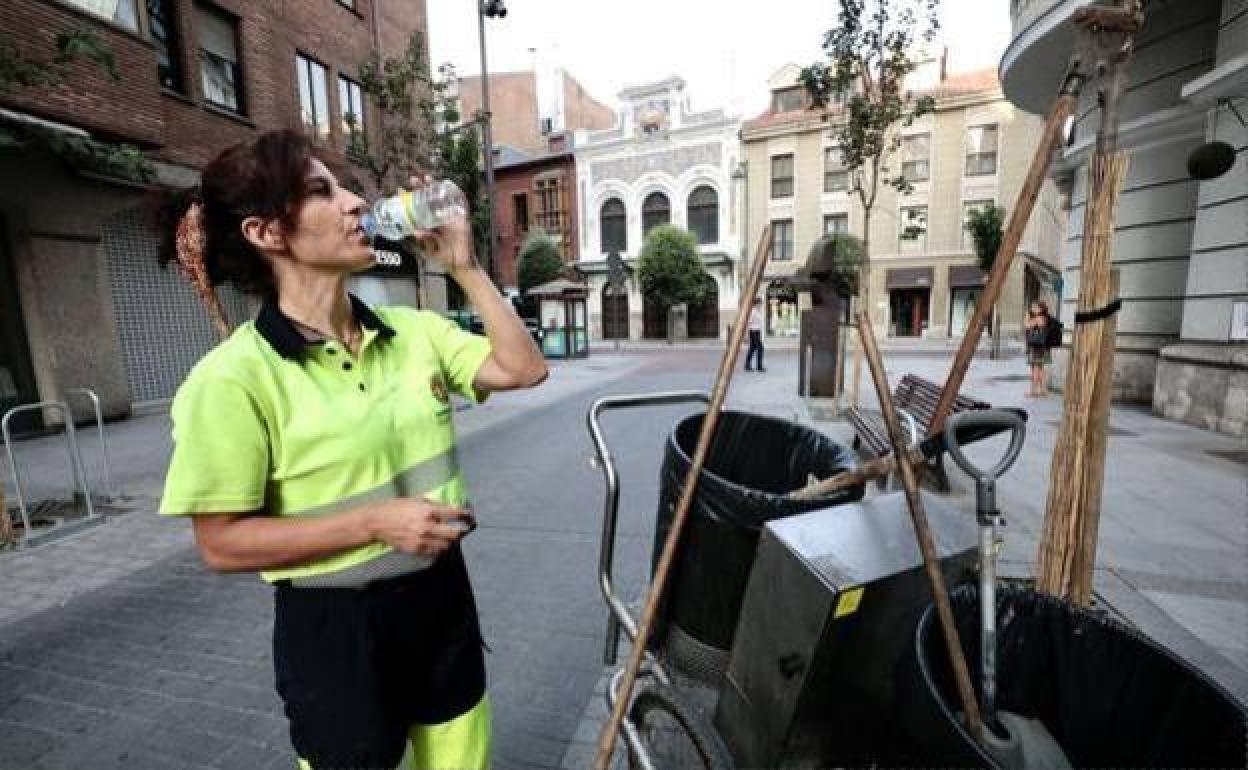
(1037, 331)
(316, 446)
(755, 328)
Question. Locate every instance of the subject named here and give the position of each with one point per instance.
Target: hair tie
(190, 241)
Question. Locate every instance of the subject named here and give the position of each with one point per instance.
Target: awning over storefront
(966, 277)
(909, 278)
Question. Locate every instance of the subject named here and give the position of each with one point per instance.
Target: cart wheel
(677, 734)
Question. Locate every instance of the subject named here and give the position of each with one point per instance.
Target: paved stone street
(117, 648)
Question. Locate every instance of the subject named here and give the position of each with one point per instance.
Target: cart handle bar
(620, 615)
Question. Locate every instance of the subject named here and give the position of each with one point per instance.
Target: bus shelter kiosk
(562, 308)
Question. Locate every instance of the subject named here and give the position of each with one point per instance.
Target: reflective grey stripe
(388, 565)
(419, 479)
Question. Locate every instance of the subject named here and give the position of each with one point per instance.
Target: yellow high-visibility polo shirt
(271, 422)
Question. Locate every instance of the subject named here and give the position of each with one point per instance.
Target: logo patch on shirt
(437, 386)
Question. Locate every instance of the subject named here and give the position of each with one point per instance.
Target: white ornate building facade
(660, 164)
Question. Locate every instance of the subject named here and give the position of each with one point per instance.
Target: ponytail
(168, 211)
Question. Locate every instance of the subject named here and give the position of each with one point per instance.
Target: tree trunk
(671, 326)
(1067, 553)
(1067, 549)
(6, 524)
(995, 350)
(864, 302)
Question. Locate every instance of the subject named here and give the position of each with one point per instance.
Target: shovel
(1013, 741)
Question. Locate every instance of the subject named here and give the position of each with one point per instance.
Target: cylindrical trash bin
(753, 463)
(1108, 695)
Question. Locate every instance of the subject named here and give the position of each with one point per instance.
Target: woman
(315, 446)
(1036, 333)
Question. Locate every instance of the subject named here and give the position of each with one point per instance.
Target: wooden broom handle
(923, 532)
(606, 742)
(1050, 141)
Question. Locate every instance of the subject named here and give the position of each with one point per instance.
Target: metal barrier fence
(110, 489)
(81, 485)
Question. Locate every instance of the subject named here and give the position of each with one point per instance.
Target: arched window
(703, 214)
(655, 211)
(614, 226)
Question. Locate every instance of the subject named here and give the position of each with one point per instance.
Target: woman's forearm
(248, 543)
(513, 347)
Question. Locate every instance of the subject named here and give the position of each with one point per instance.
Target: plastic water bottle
(400, 216)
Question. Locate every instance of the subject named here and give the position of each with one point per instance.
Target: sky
(724, 50)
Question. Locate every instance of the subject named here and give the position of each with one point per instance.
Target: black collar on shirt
(280, 332)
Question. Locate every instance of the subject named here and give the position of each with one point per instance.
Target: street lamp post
(741, 174)
(493, 9)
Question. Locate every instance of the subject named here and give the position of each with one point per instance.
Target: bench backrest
(919, 396)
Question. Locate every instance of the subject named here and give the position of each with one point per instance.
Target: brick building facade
(531, 193)
(530, 107)
(84, 302)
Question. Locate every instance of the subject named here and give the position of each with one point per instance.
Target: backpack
(1053, 333)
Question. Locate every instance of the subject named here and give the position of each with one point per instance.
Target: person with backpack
(1042, 333)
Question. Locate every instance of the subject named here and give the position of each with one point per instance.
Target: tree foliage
(869, 54)
(417, 121)
(670, 268)
(19, 72)
(539, 261)
(410, 103)
(986, 226)
(846, 261)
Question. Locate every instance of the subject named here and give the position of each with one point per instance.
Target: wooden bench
(917, 397)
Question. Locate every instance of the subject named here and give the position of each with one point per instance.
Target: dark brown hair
(261, 177)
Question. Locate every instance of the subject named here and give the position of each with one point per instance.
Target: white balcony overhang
(1035, 62)
(1229, 80)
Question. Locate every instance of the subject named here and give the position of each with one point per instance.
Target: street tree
(846, 251)
(670, 270)
(410, 102)
(420, 133)
(986, 226)
(539, 262)
(869, 55)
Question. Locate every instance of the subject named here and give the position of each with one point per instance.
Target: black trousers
(755, 350)
(357, 667)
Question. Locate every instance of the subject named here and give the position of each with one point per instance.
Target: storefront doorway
(614, 313)
(909, 300)
(962, 304)
(782, 316)
(908, 311)
(966, 283)
(17, 379)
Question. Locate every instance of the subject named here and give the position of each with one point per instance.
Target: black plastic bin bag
(1110, 696)
(753, 464)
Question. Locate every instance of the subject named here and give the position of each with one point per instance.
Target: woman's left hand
(450, 244)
